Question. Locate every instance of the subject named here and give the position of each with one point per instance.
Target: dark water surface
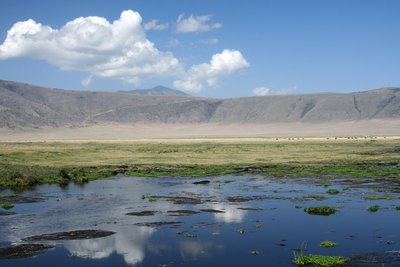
(237, 221)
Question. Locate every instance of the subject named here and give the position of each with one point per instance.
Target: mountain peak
(157, 90)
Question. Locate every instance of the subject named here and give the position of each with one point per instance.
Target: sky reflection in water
(276, 226)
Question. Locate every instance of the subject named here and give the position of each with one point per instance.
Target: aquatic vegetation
(319, 260)
(380, 197)
(320, 210)
(7, 206)
(373, 208)
(317, 197)
(327, 244)
(333, 191)
(397, 207)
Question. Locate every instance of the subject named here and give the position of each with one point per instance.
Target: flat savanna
(198, 151)
(30, 163)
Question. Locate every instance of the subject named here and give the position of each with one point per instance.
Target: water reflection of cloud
(193, 250)
(130, 243)
(231, 213)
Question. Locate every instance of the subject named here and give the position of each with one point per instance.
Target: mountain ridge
(157, 90)
(27, 106)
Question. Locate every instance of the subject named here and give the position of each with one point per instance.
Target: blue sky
(217, 48)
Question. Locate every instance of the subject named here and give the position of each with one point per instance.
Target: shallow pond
(231, 221)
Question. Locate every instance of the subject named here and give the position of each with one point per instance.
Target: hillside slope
(24, 105)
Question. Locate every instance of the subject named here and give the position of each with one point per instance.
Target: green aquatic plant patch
(7, 206)
(320, 210)
(327, 244)
(333, 191)
(319, 260)
(373, 208)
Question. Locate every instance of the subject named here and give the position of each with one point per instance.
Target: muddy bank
(157, 224)
(389, 258)
(182, 212)
(23, 251)
(6, 213)
(72, 235)
(142, 213)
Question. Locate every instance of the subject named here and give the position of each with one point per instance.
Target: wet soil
(182, 212)
(72, 235)
(23, 251)
(157, 224)
(7, 213)
(142, 213)
(203, 182)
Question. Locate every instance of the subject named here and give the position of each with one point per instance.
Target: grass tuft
(320, 210)
(373, 208)
(317, 197)
(7, 206)
(333, 191)
(380, 197)
(327, 244)
(319, 260)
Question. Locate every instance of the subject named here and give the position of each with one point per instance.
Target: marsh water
(241, 220)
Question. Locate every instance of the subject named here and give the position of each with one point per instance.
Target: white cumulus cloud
(195, 24)
(261, 91)
(118, 50)
(154, 25)
(221, 64)
(115, 50)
